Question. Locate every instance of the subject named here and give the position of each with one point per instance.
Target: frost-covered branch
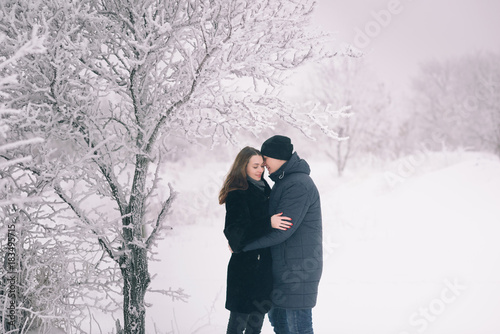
(165, 209)
(81, 215)
(174, 294)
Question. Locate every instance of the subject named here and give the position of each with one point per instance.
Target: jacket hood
(294, 165)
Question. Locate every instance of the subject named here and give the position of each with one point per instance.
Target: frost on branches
(116, 81)
(456, 104)
(364, 115)
(22, 300)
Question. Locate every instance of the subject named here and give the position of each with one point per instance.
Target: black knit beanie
(277, 147)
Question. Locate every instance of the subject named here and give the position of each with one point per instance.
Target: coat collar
(294, 165)
(254, 189)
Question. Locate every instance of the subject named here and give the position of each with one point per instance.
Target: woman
(249, 276)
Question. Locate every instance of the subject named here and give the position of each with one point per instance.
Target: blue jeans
(289, 321)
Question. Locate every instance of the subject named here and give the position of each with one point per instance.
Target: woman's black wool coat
(249, 274)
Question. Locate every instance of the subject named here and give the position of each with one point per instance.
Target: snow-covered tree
(43, 272)
(16, 188)
(346, 84)
(119, 79)
(456, 103)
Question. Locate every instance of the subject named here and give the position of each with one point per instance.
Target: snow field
(415, 256)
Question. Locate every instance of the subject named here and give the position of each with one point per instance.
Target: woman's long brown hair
(237, 176)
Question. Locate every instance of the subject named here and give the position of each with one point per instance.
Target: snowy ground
(409, 248)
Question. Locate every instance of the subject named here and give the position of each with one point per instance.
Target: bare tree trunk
(339, 158)
(134, 261)
(135, 282)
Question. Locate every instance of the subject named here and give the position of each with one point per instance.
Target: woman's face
(255, 167)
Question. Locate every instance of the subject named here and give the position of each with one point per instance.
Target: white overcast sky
(415, 30)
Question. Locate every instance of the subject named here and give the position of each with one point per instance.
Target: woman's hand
(281, 223)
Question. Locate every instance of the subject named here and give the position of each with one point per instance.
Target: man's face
(272, 164)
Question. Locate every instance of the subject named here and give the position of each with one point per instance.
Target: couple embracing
(275, 236)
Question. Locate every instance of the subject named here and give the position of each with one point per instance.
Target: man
(297, 255)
